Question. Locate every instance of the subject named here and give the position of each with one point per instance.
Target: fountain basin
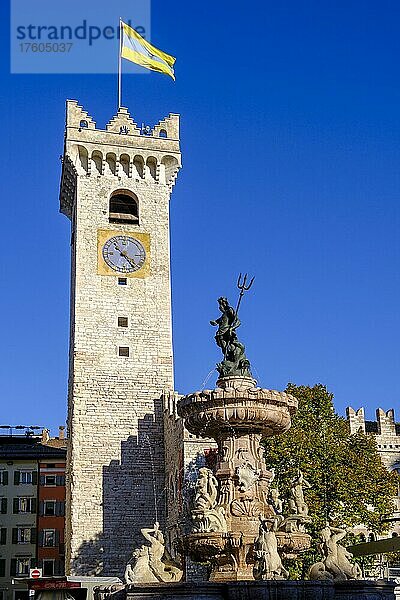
(207, 547)
(214, 413)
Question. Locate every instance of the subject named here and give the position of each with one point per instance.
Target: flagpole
(119, 63)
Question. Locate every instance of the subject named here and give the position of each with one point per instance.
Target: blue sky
(290, 140)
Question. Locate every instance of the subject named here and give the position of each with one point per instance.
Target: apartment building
(32, 507)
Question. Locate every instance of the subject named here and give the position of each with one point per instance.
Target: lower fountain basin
(203, 546)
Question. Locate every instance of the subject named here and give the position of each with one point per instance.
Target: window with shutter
(2, 567)
(23, 566)
(16, 506)
(3, 477)
(13, 566)
(50, 507)
(3, 506)
(33, 505)
(49, 538)
(25, 477)
(48, 567)
(59, 567)
(17, 476)
(33, 535)
(23, 535)
(34, 478)
(23, 505)
(14, 536)
(60, 509)
(3, 536)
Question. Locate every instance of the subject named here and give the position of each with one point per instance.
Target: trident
(243, 287)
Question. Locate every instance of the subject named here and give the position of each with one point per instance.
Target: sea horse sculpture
(151, 564)
(335, 564)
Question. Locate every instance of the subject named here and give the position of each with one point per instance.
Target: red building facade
(51, 517)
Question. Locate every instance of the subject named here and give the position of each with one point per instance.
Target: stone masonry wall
(184, 455)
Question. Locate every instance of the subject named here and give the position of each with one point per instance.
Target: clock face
(124, 254)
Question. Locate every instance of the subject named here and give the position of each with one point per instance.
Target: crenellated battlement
(166, 129)
(386, 422)
(170, 401)
(77, 115)
(385, 430)
(384, 425)
(356, 419)
(122, 151)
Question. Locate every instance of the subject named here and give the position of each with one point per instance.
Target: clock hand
(125, 255)
(129, 259)
(122, 252)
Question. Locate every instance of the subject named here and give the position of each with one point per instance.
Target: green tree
(349, 484)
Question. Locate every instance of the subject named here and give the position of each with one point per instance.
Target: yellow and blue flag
(140, 51)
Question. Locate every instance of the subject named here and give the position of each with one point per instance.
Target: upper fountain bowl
(237, 405)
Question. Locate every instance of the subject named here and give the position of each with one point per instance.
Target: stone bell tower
(115, 188)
